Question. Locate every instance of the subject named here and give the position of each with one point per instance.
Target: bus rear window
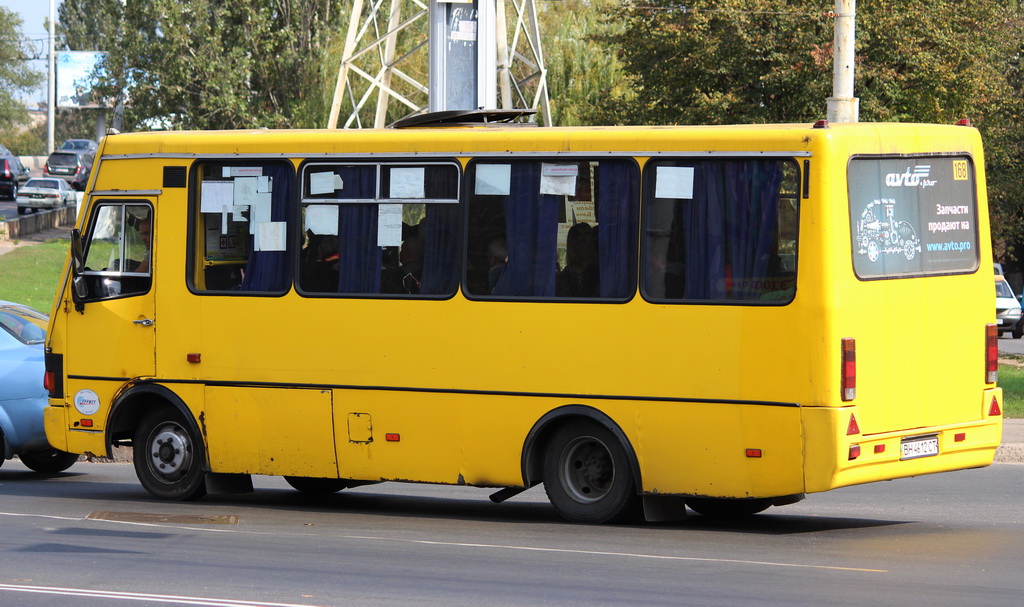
(912, 216)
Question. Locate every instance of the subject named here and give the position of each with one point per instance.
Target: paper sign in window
(271, 236)
(407, 182)
(264, 184)
(245, 190)
(242, 171)
(674, 182)
(325, 183)
(322, 219)
(389, 225)
(493, 179)
(558, 179)
(213, 195)
(259, 211)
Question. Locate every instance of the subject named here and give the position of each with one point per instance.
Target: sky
(33, 16)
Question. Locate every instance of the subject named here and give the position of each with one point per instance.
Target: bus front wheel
(587, 475)
(168, 457)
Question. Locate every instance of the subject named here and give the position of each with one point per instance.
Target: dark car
(73, 167)
(79, 145)
(13, 174)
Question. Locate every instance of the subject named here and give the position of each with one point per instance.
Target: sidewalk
(6, 246)
(1012, 449)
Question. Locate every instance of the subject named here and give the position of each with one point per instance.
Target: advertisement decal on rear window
(912, 216)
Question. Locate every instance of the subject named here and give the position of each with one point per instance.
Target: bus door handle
(145, 322)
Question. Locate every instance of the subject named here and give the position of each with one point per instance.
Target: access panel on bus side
(275, 431)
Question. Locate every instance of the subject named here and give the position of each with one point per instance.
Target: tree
(16, 76)
(585, 77)
(760, 61)
(208, 64)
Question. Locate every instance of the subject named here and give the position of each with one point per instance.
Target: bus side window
(241, 239)
(552, 229)
(388, 229)
(720, 230)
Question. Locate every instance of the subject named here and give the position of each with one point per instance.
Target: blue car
(22, 395)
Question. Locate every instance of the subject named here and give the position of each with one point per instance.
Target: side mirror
(79, 288)
(77, 257)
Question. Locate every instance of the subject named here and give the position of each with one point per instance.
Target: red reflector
(991, 354)
(849, 381)
(87, 423)
(193, 357)
(960, 437)
(854, 451)
(852, 428)
(879, 448)
(963, 122)
(753, 453)
(393, 437)
(49, 381)
(994, 409)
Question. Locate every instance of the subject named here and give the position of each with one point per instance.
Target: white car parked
(45, 193)
(1008, 311)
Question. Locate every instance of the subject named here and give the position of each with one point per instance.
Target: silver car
(45, 193)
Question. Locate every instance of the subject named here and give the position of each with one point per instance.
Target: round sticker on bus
(87, 402)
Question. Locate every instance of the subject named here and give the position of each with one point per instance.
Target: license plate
(913, 448)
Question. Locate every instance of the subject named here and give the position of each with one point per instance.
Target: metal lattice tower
(411, 57)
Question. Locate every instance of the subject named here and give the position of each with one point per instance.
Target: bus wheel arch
(169, 452)
(590, 470)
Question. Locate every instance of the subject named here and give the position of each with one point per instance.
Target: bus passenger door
(111, 330)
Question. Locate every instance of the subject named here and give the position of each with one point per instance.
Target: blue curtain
(531, 221)
(360, 257)
(269, 270)
(441, 253)
(616, 226)
(754, 217)
(729, 227)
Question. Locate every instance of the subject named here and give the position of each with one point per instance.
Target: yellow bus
(639, 318)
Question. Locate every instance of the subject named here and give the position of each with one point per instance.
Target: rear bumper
(878, 457)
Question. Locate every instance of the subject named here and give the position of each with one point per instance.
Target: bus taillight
(991, 353)
(849, 369)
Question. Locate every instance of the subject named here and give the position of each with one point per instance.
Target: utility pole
(842, 105)
(476, 59)
(51, 88)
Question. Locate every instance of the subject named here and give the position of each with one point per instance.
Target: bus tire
(316, 486)
(587, 475)
(48, 461)
(168, 457)
(724, 508)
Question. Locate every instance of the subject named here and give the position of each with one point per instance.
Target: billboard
(76, 77)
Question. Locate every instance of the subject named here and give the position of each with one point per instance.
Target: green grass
(1011, 380)
(30, 275)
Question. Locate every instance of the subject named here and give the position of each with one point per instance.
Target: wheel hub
(170, 452)
(587, 470)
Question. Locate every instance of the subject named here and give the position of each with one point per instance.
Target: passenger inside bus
(580, 277)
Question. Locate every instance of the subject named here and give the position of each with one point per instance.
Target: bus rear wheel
(723, 508)
(587, 475)
(168, 456)
(316, 486)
